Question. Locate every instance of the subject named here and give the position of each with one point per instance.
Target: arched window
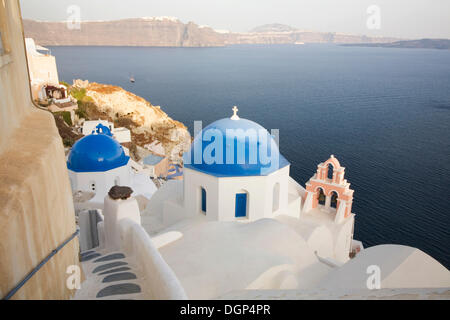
(203, 200)
(117, 181)
(330, 171)
(276, 197)
(334, 197)
(321, 196)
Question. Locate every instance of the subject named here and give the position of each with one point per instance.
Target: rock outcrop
(147, 123)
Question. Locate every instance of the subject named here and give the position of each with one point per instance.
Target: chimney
(118, 205)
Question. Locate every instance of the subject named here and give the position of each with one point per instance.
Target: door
(241, 205)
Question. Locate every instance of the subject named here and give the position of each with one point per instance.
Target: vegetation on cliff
(68, 135)
(146, 122)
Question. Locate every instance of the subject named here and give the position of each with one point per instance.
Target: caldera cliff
(171, 32)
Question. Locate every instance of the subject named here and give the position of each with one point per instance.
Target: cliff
(170, 32)
(157, 32)
(299, 36)
(443, 44)
(274, 27)
(147, 123)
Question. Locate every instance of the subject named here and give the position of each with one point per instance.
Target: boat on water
(132, 80)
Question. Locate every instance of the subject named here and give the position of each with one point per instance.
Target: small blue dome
(102, 129)
(224, 158)
(96, 153)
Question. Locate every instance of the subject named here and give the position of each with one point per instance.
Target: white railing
(160, 278)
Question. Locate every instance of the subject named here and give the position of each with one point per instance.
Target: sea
(383, 112)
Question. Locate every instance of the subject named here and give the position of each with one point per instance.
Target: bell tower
(328, 190)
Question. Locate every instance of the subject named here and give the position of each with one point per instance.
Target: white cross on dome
(235, 116)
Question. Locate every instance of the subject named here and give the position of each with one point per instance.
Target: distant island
(423, 43)
(171, 32)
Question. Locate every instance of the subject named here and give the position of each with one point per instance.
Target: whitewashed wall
(104, 181)
(89, 126)
(193, 182)
(259, 189)
(122, 135)
(160, 278)
(343, 240)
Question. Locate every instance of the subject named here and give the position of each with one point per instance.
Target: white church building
(237, 196)
(238, 226)
(239, 188)
(98, 162)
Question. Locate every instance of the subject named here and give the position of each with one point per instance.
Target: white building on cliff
(121, 134)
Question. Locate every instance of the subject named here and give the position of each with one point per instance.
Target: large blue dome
(218, 150)
(96, 153)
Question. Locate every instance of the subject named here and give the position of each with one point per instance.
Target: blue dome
(219, 150)
(102, 129)
(96, 153)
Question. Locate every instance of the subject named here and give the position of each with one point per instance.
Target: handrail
(39, 266)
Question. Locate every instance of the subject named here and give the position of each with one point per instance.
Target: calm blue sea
(385, 113)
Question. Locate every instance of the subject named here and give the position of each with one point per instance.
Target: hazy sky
(399, 18)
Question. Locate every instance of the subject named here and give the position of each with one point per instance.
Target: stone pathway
(110, 276)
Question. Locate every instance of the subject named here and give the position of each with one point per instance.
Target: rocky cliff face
(170, 32)
(274, 27)
(298, 36)
(443, 44)
(147, 123)
(159, 32)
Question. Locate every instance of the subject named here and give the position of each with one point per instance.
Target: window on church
(93, 186)
(203, 200)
